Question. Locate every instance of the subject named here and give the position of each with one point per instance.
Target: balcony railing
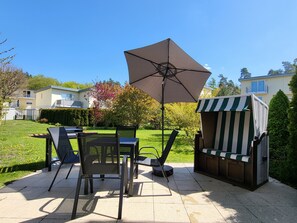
(264, 90)
(64, 103)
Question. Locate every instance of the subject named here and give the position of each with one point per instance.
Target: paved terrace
(195, 198)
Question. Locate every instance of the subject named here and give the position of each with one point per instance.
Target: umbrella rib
(140, 79)
(179, 70)
(179, 82)
(142, 58)
(152, 62)
(201, 71)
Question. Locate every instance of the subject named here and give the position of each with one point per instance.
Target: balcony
(65, 103)
(262, 90)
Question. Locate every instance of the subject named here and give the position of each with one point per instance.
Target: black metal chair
(99, 154)
(157, 161)
(65, 153)
(126, 132)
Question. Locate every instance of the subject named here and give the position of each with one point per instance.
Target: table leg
(48, 154)
(134, 151)
(130, 192)
(136, 154)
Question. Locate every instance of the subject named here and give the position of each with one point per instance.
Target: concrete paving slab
(192, 198)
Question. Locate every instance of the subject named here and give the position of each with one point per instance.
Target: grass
(21, 154)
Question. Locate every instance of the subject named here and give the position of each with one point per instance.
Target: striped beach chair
(233, 141)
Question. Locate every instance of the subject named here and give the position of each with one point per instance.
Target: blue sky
(84, 41)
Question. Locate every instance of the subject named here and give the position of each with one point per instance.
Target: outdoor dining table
(132, 143)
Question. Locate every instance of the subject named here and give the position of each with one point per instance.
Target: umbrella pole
(157, 171)
(162, 108)
(162, 127)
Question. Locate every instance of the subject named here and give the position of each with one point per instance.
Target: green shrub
(291, 167)
(278, 133)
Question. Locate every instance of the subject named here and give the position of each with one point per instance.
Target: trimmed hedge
(67, 116)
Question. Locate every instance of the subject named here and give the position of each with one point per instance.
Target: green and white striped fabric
(234, 135)
(239, 120)
(228, 155)
(239, 103)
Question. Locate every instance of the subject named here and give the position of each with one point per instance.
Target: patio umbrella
(167, 73)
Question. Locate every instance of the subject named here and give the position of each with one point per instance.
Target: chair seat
(72, 159)
(229, 155)
(142, 160)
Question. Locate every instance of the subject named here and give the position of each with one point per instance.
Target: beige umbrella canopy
(167, 73)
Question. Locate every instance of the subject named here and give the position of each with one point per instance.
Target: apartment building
(265, 87)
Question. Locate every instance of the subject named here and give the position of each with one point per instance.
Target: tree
(5, 56)
(40, 81)
(272, 72)
(5, 59)
(289, 68)
(244, 73)
(183, 116)
(291, 170)
(75, 85)
(212, 83)
(227, 87)
(214, 87)
(11, 79)
(134, 107)
(278, 133)
(103, 94)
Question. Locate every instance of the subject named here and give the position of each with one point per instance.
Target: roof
(62, 88)
(246, 103)
(228, 103)
(265, 77)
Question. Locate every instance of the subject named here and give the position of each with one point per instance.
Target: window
(67, 96)
(26, 94)
(261, 86)
(258, 86)
(254, 86)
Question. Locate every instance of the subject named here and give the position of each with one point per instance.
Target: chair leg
(76, 197)
(69, 171)
(86, 187)
(91, 185)
(125, 168)
(123, 173)
(164, 174)
(55, 176)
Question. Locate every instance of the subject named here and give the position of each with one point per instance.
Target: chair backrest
(126, 131)
(168, 147)
(61, 143)
(99, 153)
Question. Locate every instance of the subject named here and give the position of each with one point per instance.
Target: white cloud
(207, 66)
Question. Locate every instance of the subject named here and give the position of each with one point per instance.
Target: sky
(84, 40)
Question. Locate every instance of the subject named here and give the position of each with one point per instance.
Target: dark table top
(123, 140)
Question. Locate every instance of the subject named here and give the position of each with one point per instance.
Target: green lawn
(21, 154)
